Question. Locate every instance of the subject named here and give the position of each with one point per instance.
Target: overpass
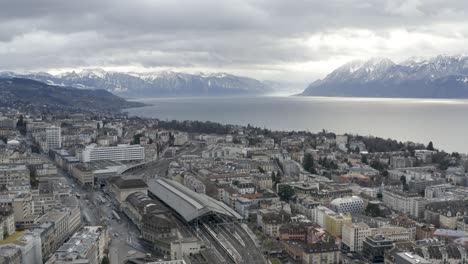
(187, 203)
(132, 168)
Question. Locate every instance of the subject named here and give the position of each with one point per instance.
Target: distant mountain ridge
(438, 77)
(158, 84)
(25, 93)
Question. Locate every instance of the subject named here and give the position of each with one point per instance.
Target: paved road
(161, 166)
(97, 213)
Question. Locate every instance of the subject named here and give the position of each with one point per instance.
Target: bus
(116, 215)
(101, 200)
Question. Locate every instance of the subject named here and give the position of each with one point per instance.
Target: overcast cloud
(296, 41)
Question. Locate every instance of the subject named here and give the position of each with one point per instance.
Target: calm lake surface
(445, 122)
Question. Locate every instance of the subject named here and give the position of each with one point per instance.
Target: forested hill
(24, 93)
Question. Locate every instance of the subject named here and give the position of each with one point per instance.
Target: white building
(354, 235)
(243, 206)
(394, 233)
(30, 245)
(353, 205)
(341, 142)
(53, 137)
(86, 246)
(320, 213)
(405, 202)
(180, 139)
(424, 155)
(122, 152)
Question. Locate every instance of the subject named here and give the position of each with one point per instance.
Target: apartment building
(53, 137)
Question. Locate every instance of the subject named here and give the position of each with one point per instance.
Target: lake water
(445, 122)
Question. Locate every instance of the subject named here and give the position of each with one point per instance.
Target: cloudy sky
(295, 41)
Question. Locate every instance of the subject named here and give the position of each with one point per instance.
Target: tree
(403, 179)
(171, 139)
(33, 178)
(364, 159)
(373, 210)
(21, 125)
(456, 155)
(308, 163)
(136, 138)
(403, 182)
(285, 192)
(430, 146)
(379, 196)
(378, 165)
(20, 122)
(357, 150)
(105, 260)
(385, 173)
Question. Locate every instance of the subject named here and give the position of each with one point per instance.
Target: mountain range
(29, 94)
(437, 77)
(159, 84)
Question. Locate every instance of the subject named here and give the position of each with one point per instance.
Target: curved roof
(137, 198)
(189, 204)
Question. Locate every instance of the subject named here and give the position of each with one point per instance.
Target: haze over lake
(445, 122)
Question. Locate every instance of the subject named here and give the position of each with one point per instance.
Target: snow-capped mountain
(438, 77)
(155, 84)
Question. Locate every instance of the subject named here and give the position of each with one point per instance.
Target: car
(116, 234)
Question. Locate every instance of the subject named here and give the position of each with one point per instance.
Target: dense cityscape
(102, 188)
(233, 132)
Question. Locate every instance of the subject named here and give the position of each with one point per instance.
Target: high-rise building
(53, 137)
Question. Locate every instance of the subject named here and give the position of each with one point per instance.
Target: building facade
(122, 152)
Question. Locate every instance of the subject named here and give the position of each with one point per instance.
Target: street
(122, 233)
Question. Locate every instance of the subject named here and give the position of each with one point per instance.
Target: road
(161, 166)
(122, 233)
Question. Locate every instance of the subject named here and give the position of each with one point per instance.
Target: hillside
(439, 77)
(25, 93)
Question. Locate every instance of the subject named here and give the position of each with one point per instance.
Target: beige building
(271, 224)
(263, 181)
(22, 205)
(353, 235)
(334, 223)
(83, 174)
(15, 173)
(185, 247)
(394, 233)
(123, 187)
(60, 221)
